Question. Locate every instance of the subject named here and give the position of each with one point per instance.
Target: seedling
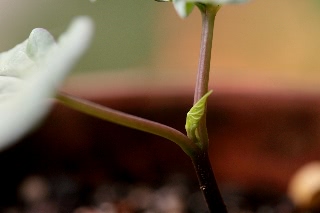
(33, 70)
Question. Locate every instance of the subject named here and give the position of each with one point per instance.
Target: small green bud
(194, 116)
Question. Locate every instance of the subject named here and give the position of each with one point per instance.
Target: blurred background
(274, 43)
(264, 115)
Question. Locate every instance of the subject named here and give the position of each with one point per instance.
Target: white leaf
(30, 74)
(184, 7)
(217, 1)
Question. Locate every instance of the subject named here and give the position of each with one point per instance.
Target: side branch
(128, 120)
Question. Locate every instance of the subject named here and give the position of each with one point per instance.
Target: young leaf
(194, 116)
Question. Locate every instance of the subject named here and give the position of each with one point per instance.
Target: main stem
(201, 160)
(208, 13)
(208, 183)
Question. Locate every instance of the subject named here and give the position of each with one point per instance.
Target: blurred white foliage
(31, 72)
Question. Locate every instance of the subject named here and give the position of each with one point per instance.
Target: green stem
(127, 120)
(208, 13)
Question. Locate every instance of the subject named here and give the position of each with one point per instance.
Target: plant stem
(201, 161)
(127, 120)
(208, 184)
(208, 13)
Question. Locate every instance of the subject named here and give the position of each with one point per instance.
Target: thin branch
(127, 120)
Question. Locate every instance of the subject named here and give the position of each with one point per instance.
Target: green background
(123, 28)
